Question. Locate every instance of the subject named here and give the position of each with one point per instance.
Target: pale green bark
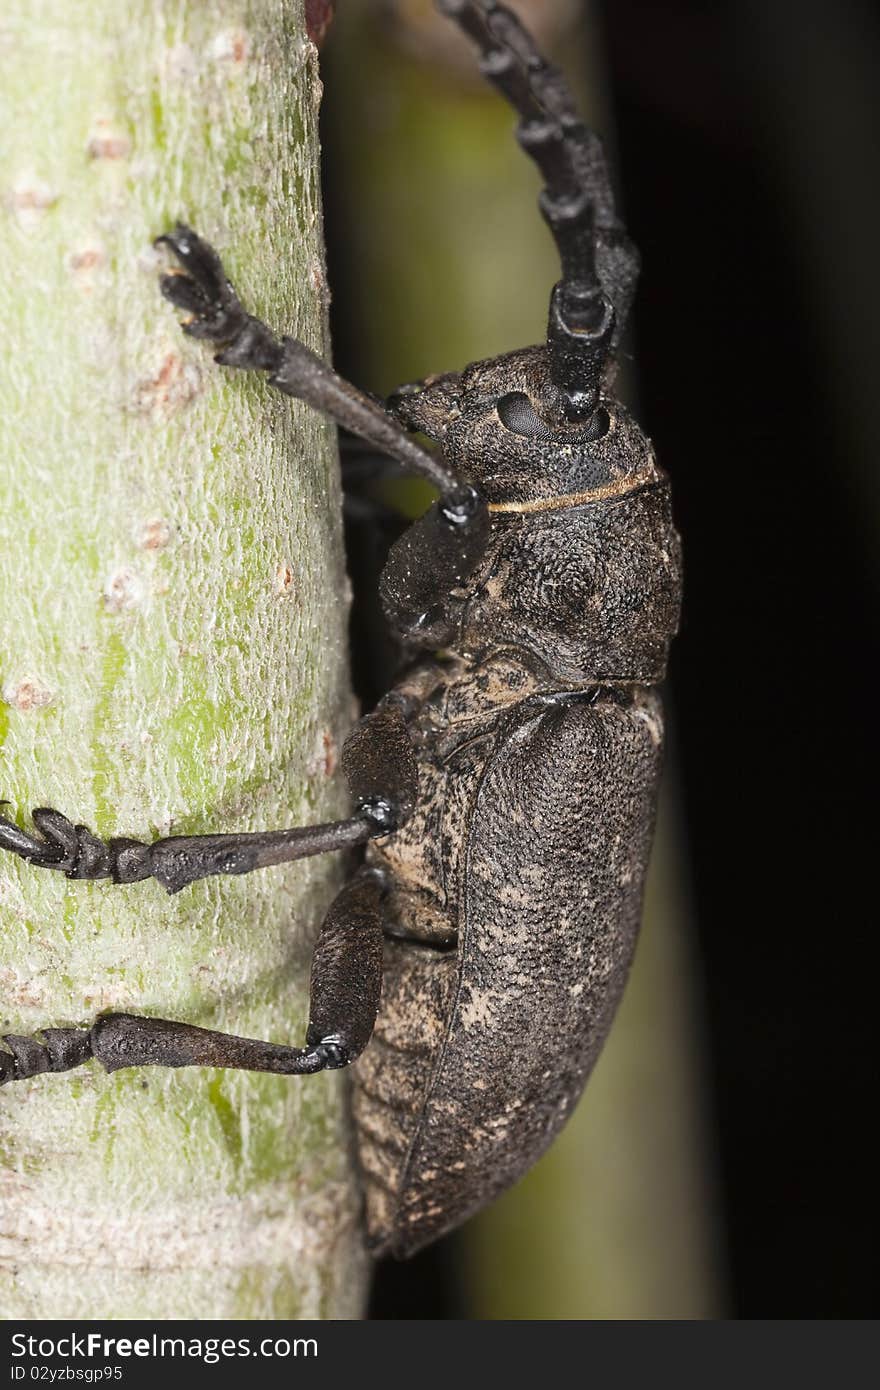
(172, 655)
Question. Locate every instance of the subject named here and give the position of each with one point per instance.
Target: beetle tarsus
(203, 290)
(54, 1050)
(71, 849)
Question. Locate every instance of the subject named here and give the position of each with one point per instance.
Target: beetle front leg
(346, 983)
(455, 530)
(202, 289)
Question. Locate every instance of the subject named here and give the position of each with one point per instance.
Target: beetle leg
(204, 292)
(346, 983)
(379, 762)
(179, 860)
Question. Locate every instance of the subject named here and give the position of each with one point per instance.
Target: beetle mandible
(506, 786)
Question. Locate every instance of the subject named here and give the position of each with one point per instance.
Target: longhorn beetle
(505, 787)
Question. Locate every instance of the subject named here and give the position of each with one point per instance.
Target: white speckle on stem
(85, 263)
(284, 580)
(174, 383)
(154, 534)
(123, 590)
(107, 141)
(29, 198)
(27, 693)
(230, 46)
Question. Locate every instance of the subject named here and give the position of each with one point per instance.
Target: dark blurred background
(727, 1171)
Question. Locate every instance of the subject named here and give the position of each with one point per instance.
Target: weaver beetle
(505, 787)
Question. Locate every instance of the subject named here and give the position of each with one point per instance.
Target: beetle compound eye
(518, 415)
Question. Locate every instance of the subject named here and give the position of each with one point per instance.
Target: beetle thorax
(591, 590)
(582, 566)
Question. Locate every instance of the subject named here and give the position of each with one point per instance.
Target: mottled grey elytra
(506, 786)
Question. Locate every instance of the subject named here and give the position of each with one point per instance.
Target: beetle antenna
(587, 307)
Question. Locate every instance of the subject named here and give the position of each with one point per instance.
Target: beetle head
(581, 565)
(502, 424)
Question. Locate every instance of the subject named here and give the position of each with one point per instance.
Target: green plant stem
(172, 658)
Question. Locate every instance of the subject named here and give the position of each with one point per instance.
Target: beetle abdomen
(392, 1078)
(557, 848)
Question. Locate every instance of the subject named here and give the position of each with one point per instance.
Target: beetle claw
(46, 853)
(201, 288)
(71, 849)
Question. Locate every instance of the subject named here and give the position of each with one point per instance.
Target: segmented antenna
(576, 195)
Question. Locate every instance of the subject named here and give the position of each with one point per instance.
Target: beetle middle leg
(177, 860)
(346, 982)
(378, 760)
